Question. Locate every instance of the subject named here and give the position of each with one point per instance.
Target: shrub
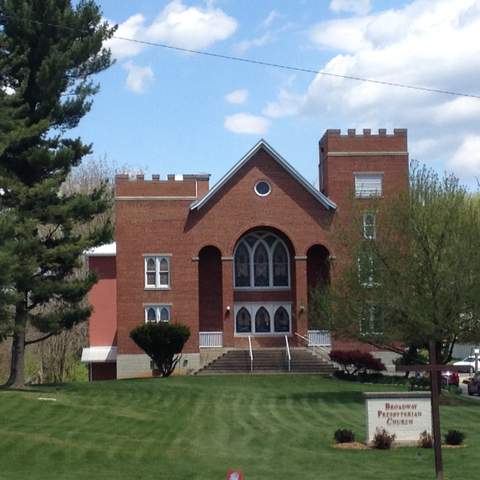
(162, 342)
(425, 440)
(419, 383)
(454, 437)
(354, 361)
(342, 435)
(382, 439)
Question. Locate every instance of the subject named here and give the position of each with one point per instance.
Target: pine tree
(49, 50)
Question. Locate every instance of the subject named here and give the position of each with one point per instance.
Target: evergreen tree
(49, 50)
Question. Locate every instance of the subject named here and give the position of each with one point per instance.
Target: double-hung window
(157, 271)
(371, 322)
(368, 185)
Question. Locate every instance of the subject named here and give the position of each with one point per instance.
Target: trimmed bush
(342, 435)
(354, 361)
(425, 440)
(162, 342)
(454, 437)
(419, 383)
(383, 440)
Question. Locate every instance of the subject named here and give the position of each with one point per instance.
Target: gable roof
(262, 144)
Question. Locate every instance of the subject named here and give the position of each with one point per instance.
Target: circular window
(262, 188)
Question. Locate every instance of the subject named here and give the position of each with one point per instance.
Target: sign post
(434, 370)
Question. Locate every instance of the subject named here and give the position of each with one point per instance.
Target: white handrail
(250, 352)
(288, 353)
(305, 339)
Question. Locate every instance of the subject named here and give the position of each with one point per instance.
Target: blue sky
(169, 112)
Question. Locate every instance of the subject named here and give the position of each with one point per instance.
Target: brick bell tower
(363, 162)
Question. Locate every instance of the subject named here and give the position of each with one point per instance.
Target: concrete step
(268, 360)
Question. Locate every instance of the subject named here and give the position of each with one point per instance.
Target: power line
(263, 63)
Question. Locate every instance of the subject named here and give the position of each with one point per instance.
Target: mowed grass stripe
(278, 427)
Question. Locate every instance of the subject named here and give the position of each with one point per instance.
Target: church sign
(404, 414)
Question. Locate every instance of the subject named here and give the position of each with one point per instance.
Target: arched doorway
(318, 277)
(263, 281)
(210, 296)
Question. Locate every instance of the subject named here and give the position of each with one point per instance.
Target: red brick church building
(234, 261)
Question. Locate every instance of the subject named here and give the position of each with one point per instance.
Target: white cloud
(245, 123)
(466, 160)
(192, 27)
(132, 28)
(245, 45)
(138, 78)
(237, 97)
(287, 104)
(358, 7)
(425, 43)
(270, 18)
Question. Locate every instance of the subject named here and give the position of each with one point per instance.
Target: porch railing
(211, 339)
(319, 338)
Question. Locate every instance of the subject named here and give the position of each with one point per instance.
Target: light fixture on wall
(227, 309)
(332, 258)
(302, 308)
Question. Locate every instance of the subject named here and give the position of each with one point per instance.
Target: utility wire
(261, 62)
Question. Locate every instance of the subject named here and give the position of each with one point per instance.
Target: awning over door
(99, 354)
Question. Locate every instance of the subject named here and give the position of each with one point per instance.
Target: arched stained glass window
(151, 271)
(262, 321)
(151, 315)
(261, 260)
(164, 314)
(280, 265)
(242, 266)
(261, 266)
(164, 272)
(244, 321)
(281, 320)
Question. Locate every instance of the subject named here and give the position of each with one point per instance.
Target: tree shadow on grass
(327, 397)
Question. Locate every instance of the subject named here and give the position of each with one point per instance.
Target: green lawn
(272, 427)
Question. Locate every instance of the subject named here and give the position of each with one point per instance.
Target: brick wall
(162, 223)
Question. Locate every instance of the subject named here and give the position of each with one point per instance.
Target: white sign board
(406, 415)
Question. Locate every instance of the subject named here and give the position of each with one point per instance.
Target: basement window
(157, 313)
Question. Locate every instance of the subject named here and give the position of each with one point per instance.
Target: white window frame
(262, 194)
(371, 273)
(371, 322)
(359, 180)
(271, 307)
(270, 250)
(366, 225)
(158, 258)
(158, 308)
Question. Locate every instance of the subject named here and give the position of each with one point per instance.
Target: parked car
(468, 363)
(450, 378)
(474, 385)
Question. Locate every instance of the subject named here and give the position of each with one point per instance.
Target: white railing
(320, 351)
(319, 338)
(289, 357)
(250, 351)
(210, 339)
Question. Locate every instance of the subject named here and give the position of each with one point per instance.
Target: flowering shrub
(354, 361)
